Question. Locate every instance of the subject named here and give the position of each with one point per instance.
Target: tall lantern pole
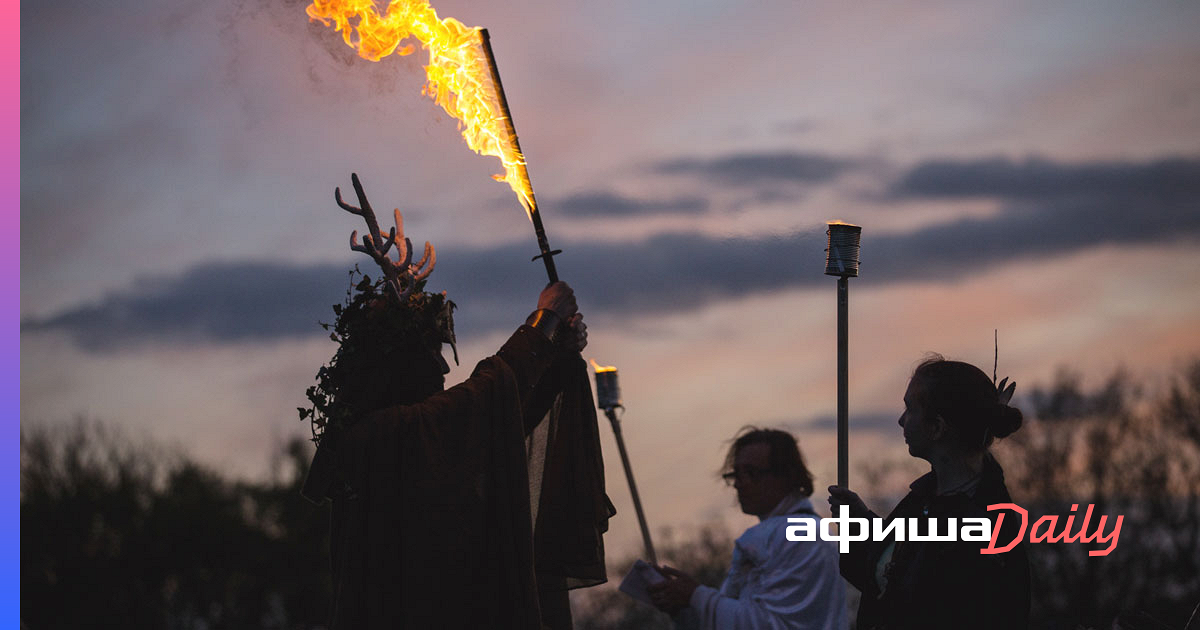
(841, 260)
(608, 398)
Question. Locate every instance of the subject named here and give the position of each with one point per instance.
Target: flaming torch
(608, 398)
(841, 260)
(463, 80)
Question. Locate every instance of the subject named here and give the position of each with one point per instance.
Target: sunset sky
(1026, 167)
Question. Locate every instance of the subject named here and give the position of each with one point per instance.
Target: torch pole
(547, 254)
(611, 412)
(608, 398)
(843, 396)
(841, 260)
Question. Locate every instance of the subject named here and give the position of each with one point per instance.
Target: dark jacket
(944, 584)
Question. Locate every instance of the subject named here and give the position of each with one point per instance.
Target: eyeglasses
(749, 473)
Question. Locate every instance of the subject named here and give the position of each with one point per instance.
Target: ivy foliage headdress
(379, 323)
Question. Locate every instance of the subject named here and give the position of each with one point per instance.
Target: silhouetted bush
(1127, 454)
(124, 536)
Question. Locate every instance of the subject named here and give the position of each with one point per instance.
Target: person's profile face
(916, 421)
(759, 488)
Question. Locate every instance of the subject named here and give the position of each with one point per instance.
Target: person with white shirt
(773, 583)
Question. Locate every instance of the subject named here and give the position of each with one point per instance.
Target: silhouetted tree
(1126, 455)
(125, 536)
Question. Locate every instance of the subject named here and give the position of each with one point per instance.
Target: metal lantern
(841, 256)
(608, 392)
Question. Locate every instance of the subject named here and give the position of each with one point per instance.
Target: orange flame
(460, 78)
(601, 368)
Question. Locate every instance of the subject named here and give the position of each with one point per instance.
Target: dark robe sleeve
(573, 509)
(528, 354)
(436, 528)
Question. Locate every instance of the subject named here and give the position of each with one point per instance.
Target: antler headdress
(401, 276)
(371, 329)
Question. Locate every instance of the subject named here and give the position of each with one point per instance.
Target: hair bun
(1006, 420)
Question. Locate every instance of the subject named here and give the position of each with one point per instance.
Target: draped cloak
(434, 504)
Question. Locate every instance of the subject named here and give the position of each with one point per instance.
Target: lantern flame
(600, 368)
(459, 72)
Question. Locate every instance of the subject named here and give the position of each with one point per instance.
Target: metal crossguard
(401, 275)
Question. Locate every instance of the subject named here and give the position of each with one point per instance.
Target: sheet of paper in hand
(638, 578)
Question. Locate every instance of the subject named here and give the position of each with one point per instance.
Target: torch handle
(843, 396)
(547, 254)
(611, 412)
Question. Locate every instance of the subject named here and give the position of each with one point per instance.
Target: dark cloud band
(1036, 179)
(214, 302)
(496, 287)
(758, 168)
(605, 204)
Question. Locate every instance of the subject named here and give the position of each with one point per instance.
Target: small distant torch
(608, 398)
(841, 260)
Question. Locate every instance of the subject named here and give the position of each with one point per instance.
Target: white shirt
(774, 583)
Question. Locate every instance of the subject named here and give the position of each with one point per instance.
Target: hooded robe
(434, 504)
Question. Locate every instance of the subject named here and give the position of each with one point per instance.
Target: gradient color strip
(10, 284)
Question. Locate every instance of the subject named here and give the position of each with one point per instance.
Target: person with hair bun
(952, 414)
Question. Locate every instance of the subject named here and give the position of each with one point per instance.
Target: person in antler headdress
(478, 506)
